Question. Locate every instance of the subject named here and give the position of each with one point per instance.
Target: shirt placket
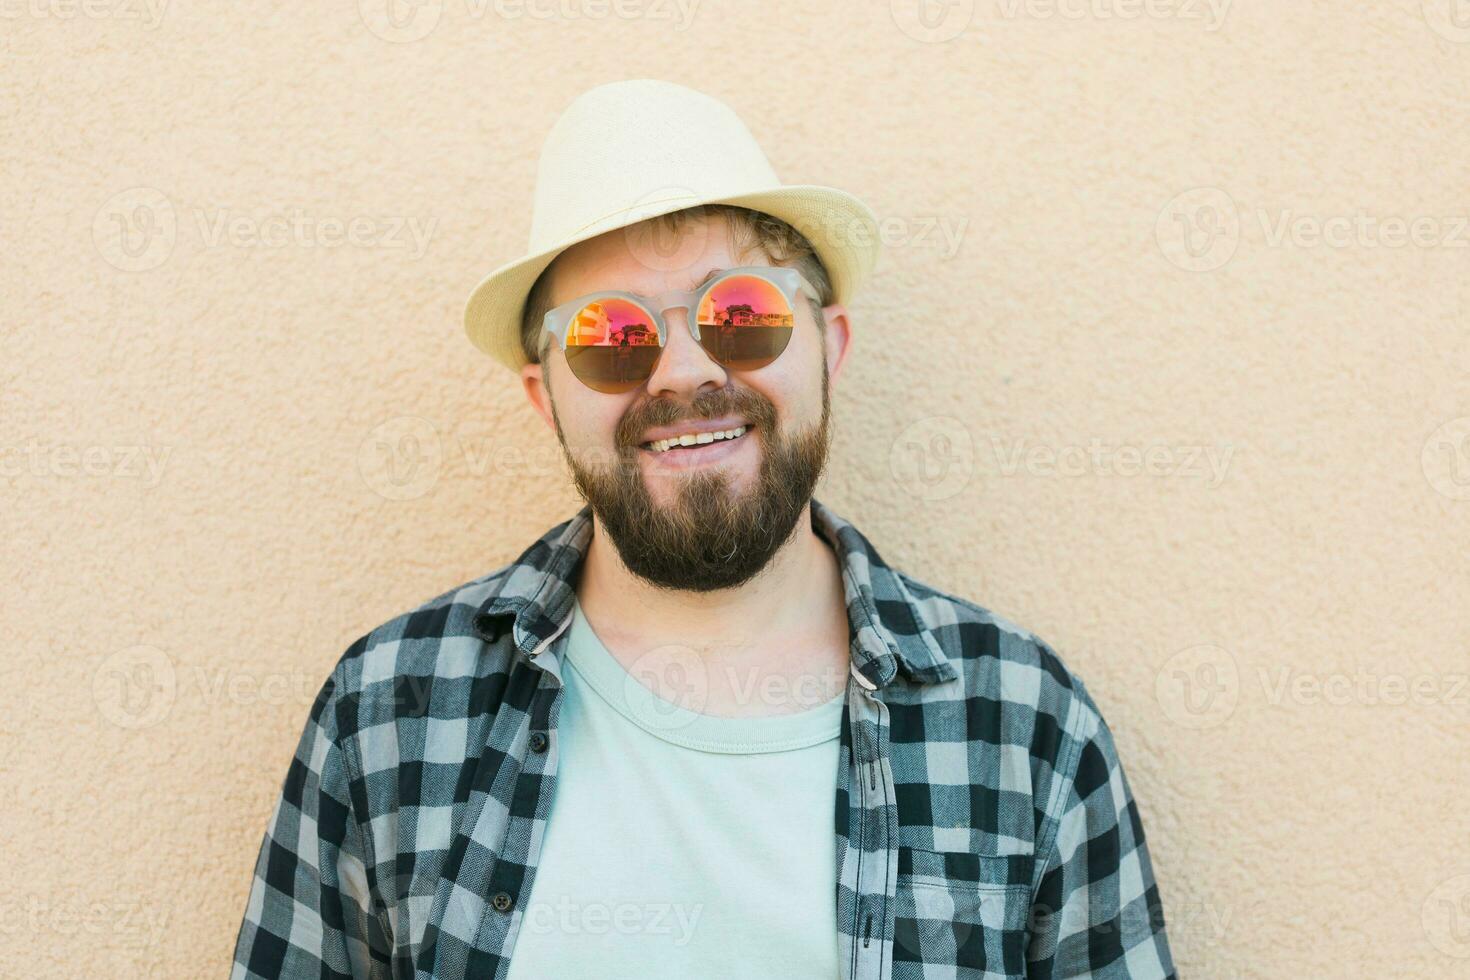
(872, 834)
(535, 749)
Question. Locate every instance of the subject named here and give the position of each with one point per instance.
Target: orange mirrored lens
(612, 345)
(745, 322)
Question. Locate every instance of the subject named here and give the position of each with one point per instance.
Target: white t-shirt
(681, 844)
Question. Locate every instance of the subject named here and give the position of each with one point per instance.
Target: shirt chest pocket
(959, 914)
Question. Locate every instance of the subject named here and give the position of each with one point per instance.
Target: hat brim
(842, 229)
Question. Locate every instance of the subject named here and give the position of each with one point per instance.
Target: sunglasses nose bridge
(676, 299)
(683, 364)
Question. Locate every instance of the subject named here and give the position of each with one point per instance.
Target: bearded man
(701, 728)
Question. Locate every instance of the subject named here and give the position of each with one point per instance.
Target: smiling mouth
(678, 444)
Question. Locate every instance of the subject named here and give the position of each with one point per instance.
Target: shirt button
(502, 901)
(538, 741)
(487, 626)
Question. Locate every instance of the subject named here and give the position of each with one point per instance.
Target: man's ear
(838, 331)
(538, 392)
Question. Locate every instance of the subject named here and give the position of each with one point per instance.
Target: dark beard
(709, 538)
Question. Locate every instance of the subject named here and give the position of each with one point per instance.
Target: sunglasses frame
(558, 322)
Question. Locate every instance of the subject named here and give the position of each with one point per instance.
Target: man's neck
(786, 628)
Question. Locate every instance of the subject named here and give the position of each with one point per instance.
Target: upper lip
(693, 427)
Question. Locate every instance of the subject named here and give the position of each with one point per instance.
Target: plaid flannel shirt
(983, 823)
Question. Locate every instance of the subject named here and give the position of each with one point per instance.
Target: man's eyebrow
(707, 277)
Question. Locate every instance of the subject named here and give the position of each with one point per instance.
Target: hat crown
(635, 149)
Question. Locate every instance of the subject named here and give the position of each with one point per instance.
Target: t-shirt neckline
(680, 725)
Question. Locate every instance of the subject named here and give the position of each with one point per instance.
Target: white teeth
(693, 439)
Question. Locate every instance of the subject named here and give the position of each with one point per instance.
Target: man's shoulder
(999, 660)
(440, 637)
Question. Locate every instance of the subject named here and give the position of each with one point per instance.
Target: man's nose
(684, 368)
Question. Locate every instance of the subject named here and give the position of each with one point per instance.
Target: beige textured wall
(1100, 222)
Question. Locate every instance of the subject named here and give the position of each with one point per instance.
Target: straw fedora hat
(627, 151)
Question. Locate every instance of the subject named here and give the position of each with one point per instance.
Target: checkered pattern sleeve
(310, 911)
(1097, 910)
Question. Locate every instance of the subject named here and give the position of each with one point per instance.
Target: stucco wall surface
(1165, 359)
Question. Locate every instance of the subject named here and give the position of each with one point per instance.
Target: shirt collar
(888, 634)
